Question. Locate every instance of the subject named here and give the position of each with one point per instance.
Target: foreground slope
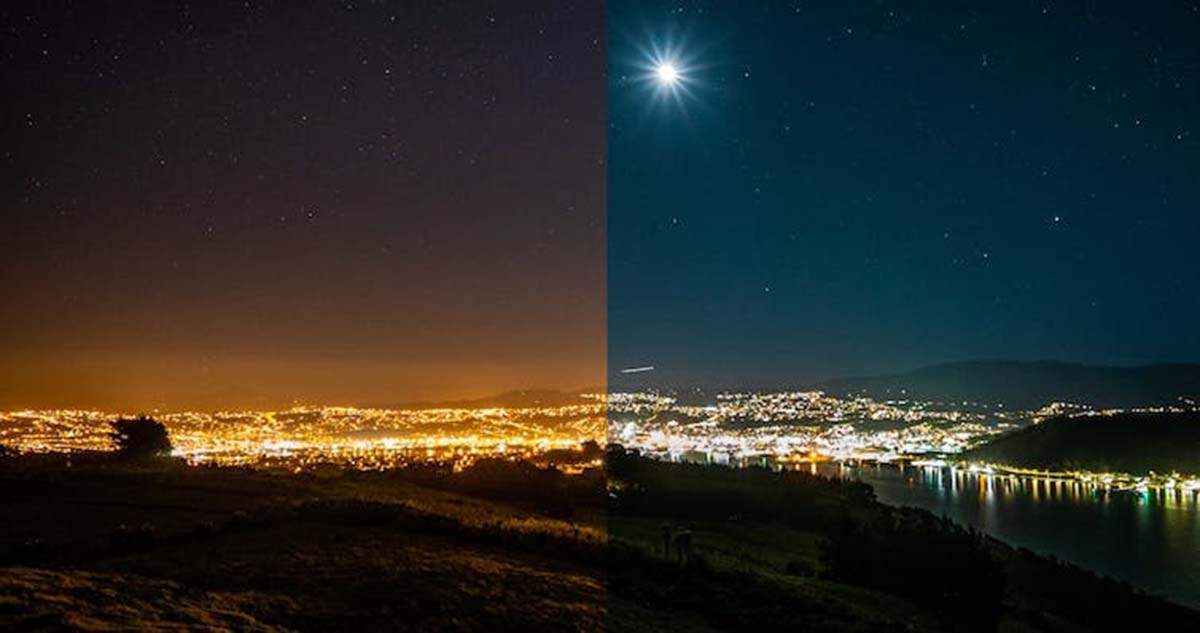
(101, 545)
(112, 548)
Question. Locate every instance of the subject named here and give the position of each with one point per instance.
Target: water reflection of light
(1146, 538)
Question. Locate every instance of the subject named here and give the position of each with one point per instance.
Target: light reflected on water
(1150, 538)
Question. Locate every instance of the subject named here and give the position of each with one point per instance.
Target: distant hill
(1131, 442)
(1028, 385)
(514, 399)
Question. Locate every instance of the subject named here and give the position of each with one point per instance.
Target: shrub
(32, 551)
(698, 564)
(915, 555)
(140, 438)
(7, 456)
(126, 539)
(203, 529)
(797, 567)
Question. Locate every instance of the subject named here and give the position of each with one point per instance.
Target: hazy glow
(667, 73)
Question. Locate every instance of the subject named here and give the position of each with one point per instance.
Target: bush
(931, 561)
(7, 456)
(32, 551)
(801, 568)
(140, 438)
(203, 530)
(698, 564)
(125, 539)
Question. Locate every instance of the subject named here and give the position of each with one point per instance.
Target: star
(670, 72)
(667, 73)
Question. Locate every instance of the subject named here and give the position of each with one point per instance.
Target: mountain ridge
(1030, 384)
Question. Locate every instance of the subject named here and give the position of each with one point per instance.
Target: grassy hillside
(102, 545)
(1132, 442)
(112, 546)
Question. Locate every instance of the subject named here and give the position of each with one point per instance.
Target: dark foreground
(105, 545)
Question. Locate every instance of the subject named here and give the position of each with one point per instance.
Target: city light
(760, 428)
(353, 438)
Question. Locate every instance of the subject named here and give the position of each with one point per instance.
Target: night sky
(253, 204)
(214, 204)
(846, 188)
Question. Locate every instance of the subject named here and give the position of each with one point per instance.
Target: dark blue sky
(878, 186)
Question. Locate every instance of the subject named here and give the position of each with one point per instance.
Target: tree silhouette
(140, 438)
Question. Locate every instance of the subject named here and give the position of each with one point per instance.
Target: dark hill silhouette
(517, 399)
(1028, 385)
(1129, 442)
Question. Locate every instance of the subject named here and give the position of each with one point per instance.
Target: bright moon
(667, 73)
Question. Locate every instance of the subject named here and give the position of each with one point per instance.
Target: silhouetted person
(683, 545)
(666, 537)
